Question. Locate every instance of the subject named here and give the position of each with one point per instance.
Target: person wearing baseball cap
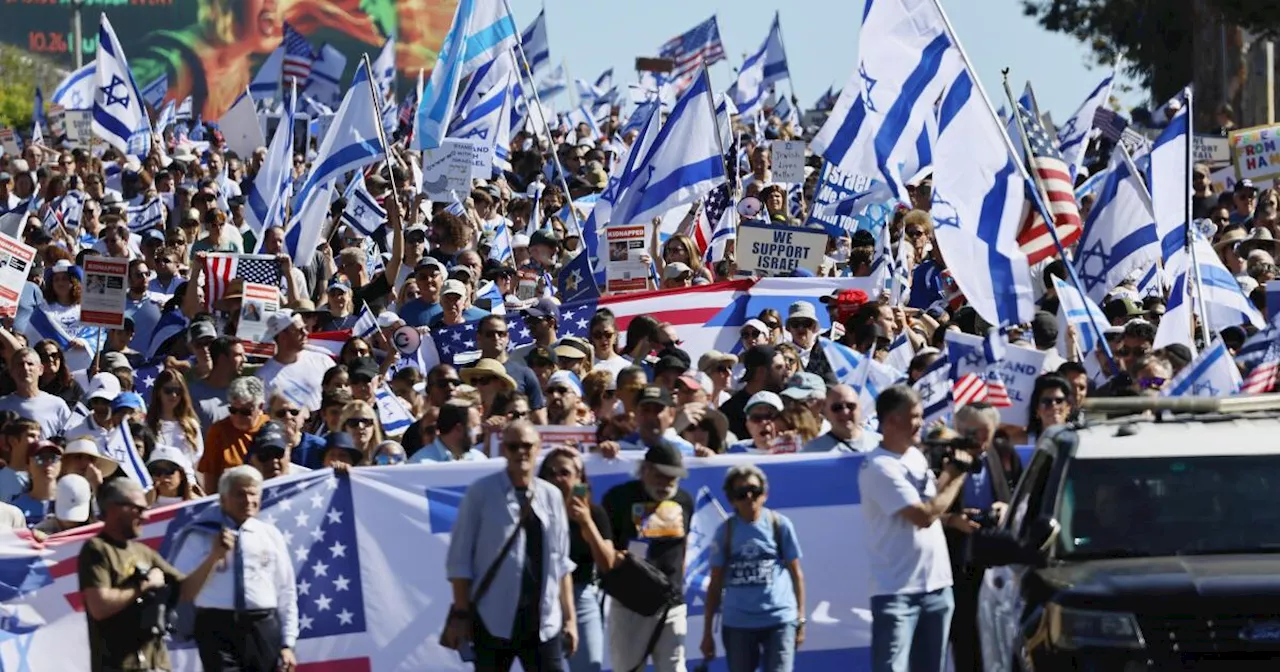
(655, 415)
(430, 274)
(293, 367)
(763, 412)
(652, 515)
(719, 368)
(802, 324)
(269, 452)
(455, 299)
(1244, 199)
(72, 506)
(543, 320)
(764, 370)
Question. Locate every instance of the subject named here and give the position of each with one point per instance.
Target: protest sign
(624, 271)
(1211, 150)
(833, 187)
(1255, 152)
(527, 284)
(772, 249)
(446, 170)
(79, 128)
(15, 263)
(482, 161)
(9, 140)
(103, 300)
(1018, 371)
(581, 438)
(788, 161)
(57, 121)
(260, 302)
(240, 128)
(1224, 180)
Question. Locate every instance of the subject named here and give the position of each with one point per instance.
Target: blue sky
(821, 40)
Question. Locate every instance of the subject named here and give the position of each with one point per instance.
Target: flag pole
(382, 134)
(528, 76)
(1037, 192)
(791, 84)
(1191, 233)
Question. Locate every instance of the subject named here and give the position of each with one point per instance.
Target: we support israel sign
(774, 250)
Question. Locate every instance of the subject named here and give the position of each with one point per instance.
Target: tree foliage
(1155, 38)
(22, 72)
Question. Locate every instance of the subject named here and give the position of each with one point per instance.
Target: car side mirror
(1042, 533)
(999, 547)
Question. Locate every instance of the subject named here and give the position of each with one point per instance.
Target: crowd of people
(175, 405)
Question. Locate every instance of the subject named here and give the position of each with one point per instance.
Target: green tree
(1155, 38)
(22, 73)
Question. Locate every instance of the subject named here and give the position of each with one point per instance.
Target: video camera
(156, 613)
(942, 452)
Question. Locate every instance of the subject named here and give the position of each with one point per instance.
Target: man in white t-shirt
(911, 600)
(294, 371)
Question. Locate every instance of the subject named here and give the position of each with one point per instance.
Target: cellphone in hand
(580, 490)
(467, 652)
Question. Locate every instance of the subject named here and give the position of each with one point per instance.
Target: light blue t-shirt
(758, 592)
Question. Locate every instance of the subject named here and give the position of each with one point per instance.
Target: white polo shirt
(904, 559)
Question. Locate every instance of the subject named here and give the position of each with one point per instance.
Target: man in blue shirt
(457, 428)
(429, 274)
(515, 525)
(655, 413)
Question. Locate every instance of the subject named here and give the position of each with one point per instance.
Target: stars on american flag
(458, 340)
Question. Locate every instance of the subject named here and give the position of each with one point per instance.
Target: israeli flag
(154, 92)
(1079, 311)
(121, 448)
(325, 82)
(683, 164)
(786, 111)
(489, 291)
(1168, 175)
(395, 418)
(901, 352)
(184, 110)
(1225, 304)
(167, 117)
(881, 126)
(384, 79)
(272, 188)
(71, 208)
(553, 82)
(537, 49)
(488, 122)
(593, 234)
(1212, 374)
(76, 90)
(934, 388)
(354, 141)
(485, 79)
(1073, 137)
(362, 211)
(146, 215)
(501, 249)
(1120, 234)
(118, 115)
(266, 82)
(882, 264)
(366, 323)
(978, 203)
(583, 115)
(481, 30)
(761, 69)
(708, 517)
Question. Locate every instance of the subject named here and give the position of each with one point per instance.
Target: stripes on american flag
(1110, 123)
(221, 268)
(1263, 376)
(700, 45)
(298, 56)
(969, 389)
(1053, 178)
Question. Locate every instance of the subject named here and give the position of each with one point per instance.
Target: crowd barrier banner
(369, 551)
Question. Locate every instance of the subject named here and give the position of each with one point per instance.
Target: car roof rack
(1185, 405)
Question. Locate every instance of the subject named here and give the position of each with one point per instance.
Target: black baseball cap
(667, 459)
(269, 437)
(343, 441)
(363, 367)
(652, 394)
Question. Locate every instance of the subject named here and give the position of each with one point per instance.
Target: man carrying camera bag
(124, 583)
(650, 517)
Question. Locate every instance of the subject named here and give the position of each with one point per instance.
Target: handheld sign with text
(1211, 150)
(103, 300)
(1018, 370)
(447, 169)
(624, 271)
(260, 302)
(9, 141)
(15, 263)
(79, 128)
(776, 250)
(1255, 152)
(788, 161)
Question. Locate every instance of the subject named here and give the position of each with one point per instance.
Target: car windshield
(1170, 506)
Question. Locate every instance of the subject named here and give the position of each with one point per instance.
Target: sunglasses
(598, 335)
(243, 412)
(799, 324)
(914, 233)
(291, 412)
(750, 333)
(49, 356)
(161, 471)
(1151, 383)
(47, 458)
(746, 492)
(762, 417)
(771, 325)
(1050, 402)
(514, 446)
(171, 390)
(270, 453)
(495, 334)
(448, 382)
(1132, 352)
(517, 415)
(842, 407)
(359, 422)
(383, 459)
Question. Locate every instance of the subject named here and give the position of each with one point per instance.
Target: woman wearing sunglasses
(171, 417)
(756, 578)
(171, 472)
(57, 379)
(563, 468)
(360, 421)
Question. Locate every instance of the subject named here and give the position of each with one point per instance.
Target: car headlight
(1079, 628)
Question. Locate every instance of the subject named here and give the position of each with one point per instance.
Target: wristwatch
(801, 621)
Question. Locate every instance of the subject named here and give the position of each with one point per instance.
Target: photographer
(981, 502)
(911, 601)
(124, 582)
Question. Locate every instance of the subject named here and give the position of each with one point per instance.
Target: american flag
(1053, 178)
(968, 390)
(693, 48)
(973, 376)
(1262, 378)
(298, 56)
(1110, 123)
(220, 268)
(314, 514)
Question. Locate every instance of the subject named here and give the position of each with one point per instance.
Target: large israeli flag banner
(349, 535)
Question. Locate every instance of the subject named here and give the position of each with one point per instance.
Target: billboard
(210, 49)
